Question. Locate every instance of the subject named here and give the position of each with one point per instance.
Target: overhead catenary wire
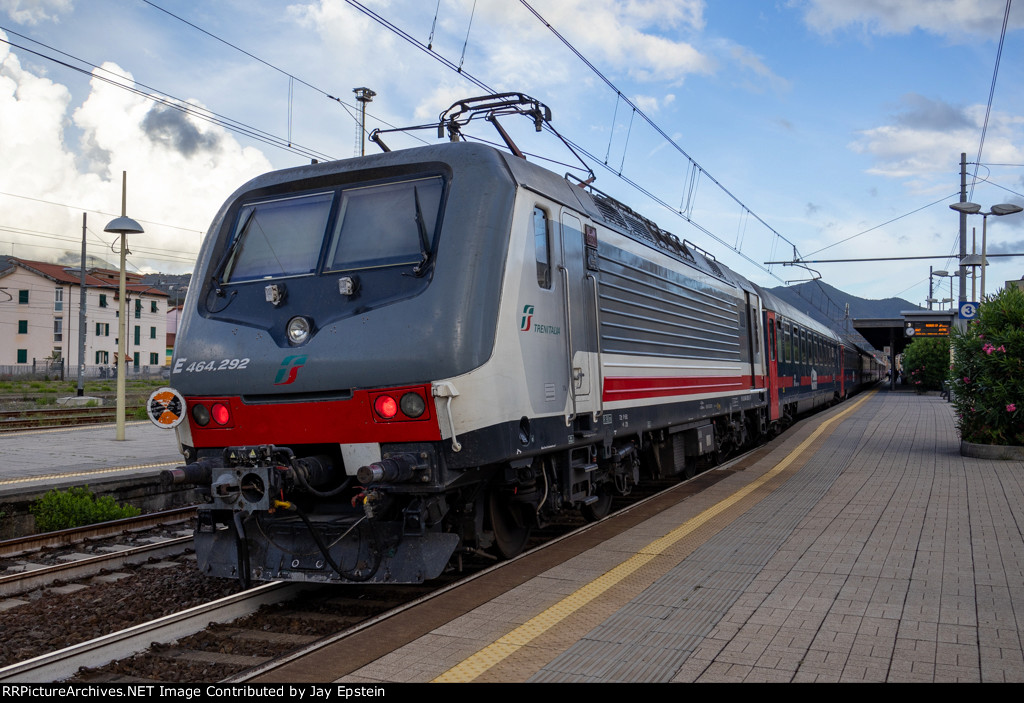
(170, 101)
(687, 215)
(346, 106)
(991, 96)
(465, 44)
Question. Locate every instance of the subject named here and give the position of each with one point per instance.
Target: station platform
(859, 546)
(76, 455)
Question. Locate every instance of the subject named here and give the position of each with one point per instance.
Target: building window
(152, 306)
(23, 356)
(138, 336)
(22, 326)
(103, 300)
(154, 359)
(58, 329)
(22, 297)
(102, 329)
(152, 332)
(102, 357)
(138, 309)
(135, 359)
(58, 299)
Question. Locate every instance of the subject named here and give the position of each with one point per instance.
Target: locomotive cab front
(327, 301)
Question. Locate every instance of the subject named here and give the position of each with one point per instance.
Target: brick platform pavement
(910, 568)
(877, 553)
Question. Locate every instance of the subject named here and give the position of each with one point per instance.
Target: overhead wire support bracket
(816, 276)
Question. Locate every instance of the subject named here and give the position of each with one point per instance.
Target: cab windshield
(390, 224)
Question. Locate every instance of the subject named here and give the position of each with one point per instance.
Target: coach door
(773, 366)
(579, 305)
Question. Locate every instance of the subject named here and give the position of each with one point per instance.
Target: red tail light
(385, 406)
(220, 413)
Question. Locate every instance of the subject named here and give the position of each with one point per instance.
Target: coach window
(542, 247)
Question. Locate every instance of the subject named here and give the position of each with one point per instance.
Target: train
(388, 363)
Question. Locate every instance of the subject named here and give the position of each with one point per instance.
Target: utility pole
(963, 230)
(931, 293)
(81, 318)
(363, 95)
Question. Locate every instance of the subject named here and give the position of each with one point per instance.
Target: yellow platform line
(70, 428)
(90, 472)
(475, 665)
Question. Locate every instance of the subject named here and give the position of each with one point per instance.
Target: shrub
(59, 510)
(988, 372)
(926, 363)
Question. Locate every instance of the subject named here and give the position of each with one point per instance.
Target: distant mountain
(827, 304)
(174, 285)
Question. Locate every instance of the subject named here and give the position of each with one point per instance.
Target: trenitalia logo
(524, 324)
(290, 366)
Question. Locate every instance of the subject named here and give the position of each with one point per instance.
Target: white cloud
(33, 12)
(646, 103)
(955, 19)
(922, 147)
(179, 169)
(751, 63)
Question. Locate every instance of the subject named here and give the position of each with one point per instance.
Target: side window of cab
(542, 247)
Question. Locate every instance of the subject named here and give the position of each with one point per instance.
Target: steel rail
(66, 662)
(73, 535)
(80, 568)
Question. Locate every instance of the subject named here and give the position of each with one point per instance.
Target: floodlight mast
(965, 208)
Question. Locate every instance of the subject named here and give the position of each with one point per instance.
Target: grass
(17, 394)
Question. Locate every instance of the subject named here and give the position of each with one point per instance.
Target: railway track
(258, 628)
(47, 418)
(37, 561)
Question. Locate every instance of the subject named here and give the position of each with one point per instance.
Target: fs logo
(290, 366)
(524, 324)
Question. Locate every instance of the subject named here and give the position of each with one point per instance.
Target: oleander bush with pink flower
(987, 375)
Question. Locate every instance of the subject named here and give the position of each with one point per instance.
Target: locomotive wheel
(510, 532)
(597, 510)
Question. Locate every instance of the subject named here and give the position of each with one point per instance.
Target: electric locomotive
(387, 362)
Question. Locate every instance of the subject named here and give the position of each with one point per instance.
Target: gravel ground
(49, 621)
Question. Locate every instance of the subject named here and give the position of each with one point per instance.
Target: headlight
(299, 329)
(412, 405)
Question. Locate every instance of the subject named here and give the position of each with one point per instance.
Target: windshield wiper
(420, 268)
(235, 245)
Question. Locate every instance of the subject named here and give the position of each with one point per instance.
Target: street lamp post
(122, 225)
(950, 276)
(975, 209)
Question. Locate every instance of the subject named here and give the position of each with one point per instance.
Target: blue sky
(824, 118)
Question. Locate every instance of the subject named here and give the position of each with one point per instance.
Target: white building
(39, 317)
